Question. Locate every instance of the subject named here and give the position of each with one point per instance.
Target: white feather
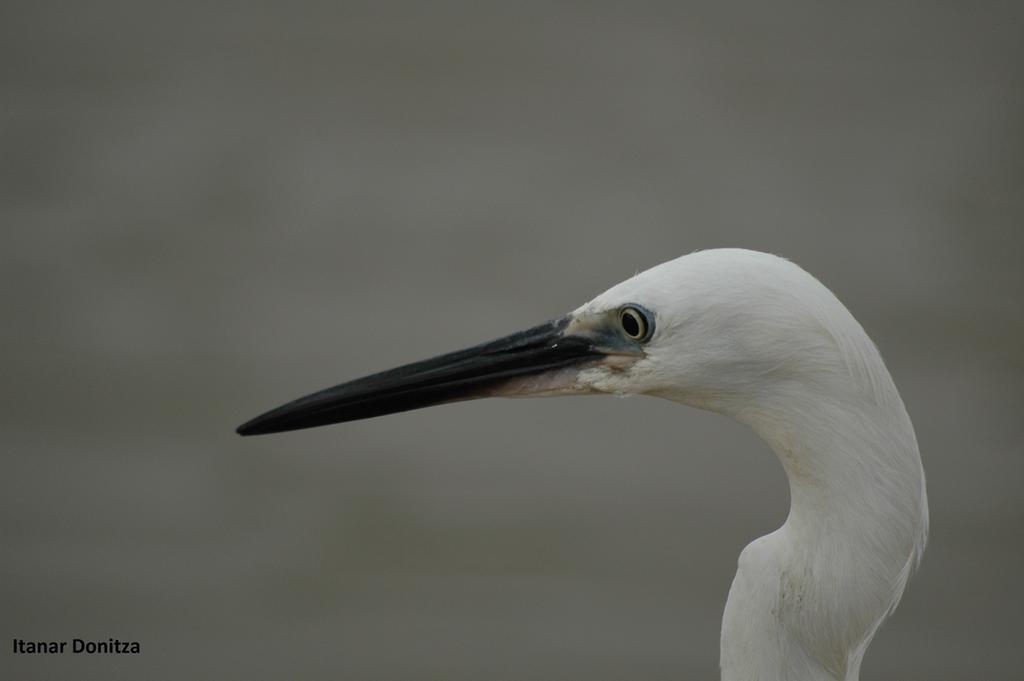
(755, 337)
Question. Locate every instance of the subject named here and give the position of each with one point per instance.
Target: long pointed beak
(481, 371)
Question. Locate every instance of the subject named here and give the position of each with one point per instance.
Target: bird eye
(634, 322)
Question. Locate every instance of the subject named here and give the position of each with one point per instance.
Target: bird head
(725, 330)
(713, 329)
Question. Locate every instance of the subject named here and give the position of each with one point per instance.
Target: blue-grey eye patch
(637, 322)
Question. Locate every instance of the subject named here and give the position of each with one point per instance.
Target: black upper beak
(462, 375)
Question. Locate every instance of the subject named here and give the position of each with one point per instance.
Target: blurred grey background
(210, 208)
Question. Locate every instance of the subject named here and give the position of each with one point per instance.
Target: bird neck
(808, 598)
(853, 467)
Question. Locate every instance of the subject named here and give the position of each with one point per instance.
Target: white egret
(755, 337)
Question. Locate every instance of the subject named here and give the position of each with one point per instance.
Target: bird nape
(754, 337)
